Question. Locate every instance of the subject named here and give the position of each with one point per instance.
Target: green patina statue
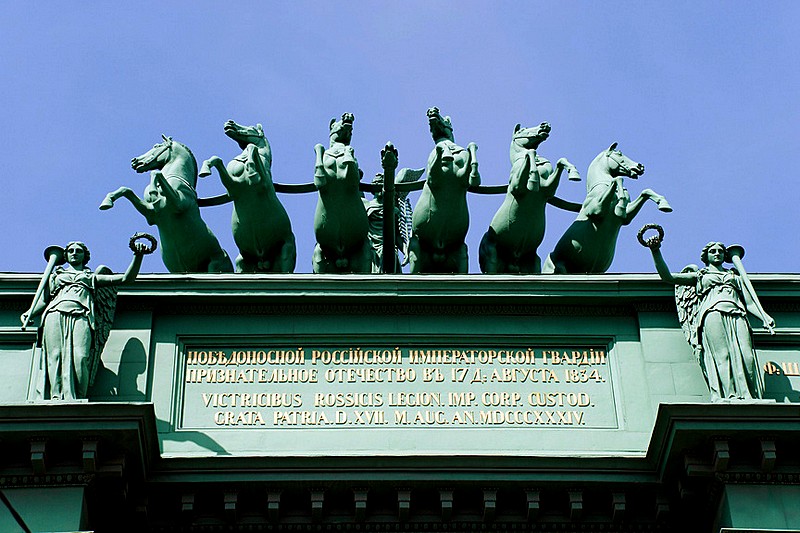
(340, 221)
(517, 229)
(260, 225)
(77, 309)
(713, 303)
(402, 214)
(187, 244)
(588, 245)
(441, 218)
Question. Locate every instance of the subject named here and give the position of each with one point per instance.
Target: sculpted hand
(140, 248)
(25, 318)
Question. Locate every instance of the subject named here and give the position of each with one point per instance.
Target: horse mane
(596, 175)
(194, 160)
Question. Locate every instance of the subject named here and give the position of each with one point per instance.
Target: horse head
(441, 128)
(530, 138)
(342, 131)
(618, 164)
(245, 135)
(172, 157)
(155, 158)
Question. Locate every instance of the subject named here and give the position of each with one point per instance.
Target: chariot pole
(388, 261)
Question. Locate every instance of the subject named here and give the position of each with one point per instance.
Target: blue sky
(705, 94)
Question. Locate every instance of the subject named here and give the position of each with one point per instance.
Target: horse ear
(517, 127)
(166, 139)
(612, 147)
(333, 121)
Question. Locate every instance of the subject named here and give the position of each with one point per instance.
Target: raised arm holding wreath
(713, 304)
(77, 308)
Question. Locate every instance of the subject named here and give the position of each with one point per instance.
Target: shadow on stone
(778, 386)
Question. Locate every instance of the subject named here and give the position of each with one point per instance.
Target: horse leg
(178, 200)
(534, 178)
(144, 208)
(414, 255)
(287, 258)
(361, 261)
(220, 263)
(487, 253)
(245, 264)
(320, 177)
(553, 267)
(320, 263)
(636, 205)
(530, 264)
(660, 200)
(224, 177)
(474, 175)
(461, 257)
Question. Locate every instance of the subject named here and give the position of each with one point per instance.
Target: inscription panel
(345, 387)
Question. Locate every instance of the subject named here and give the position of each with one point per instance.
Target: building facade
(315, 403)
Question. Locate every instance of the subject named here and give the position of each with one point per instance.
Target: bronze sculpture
(517, 229)
(187, 243)
(588, 245)
(713, 303)
(340, 220)
(441, 217)
(260, 225)
(77, 309)
(402, 217)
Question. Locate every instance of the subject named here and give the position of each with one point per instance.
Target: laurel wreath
(143, 236)
(652, 242)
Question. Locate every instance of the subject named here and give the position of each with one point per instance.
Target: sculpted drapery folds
(77, 308)
(713, 304)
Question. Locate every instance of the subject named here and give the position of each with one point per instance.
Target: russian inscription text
(393, 387)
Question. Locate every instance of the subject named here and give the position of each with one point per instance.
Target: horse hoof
(664, 206)
(107, 203)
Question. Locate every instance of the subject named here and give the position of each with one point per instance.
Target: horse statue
(441, 218)
(517, 229)
(587, 247)
(340, 221)
(260, 225)
(187, 244)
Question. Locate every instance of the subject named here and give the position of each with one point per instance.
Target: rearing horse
(441, 217)
(588, 245)
(260, 225)
(340, 221)
(517, 229)
(187, 244)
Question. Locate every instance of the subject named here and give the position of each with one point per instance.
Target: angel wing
(406, 175)
(687, 301)
(105, 303)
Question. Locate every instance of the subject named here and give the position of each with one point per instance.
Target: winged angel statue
(713, 303)
(77, 308)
